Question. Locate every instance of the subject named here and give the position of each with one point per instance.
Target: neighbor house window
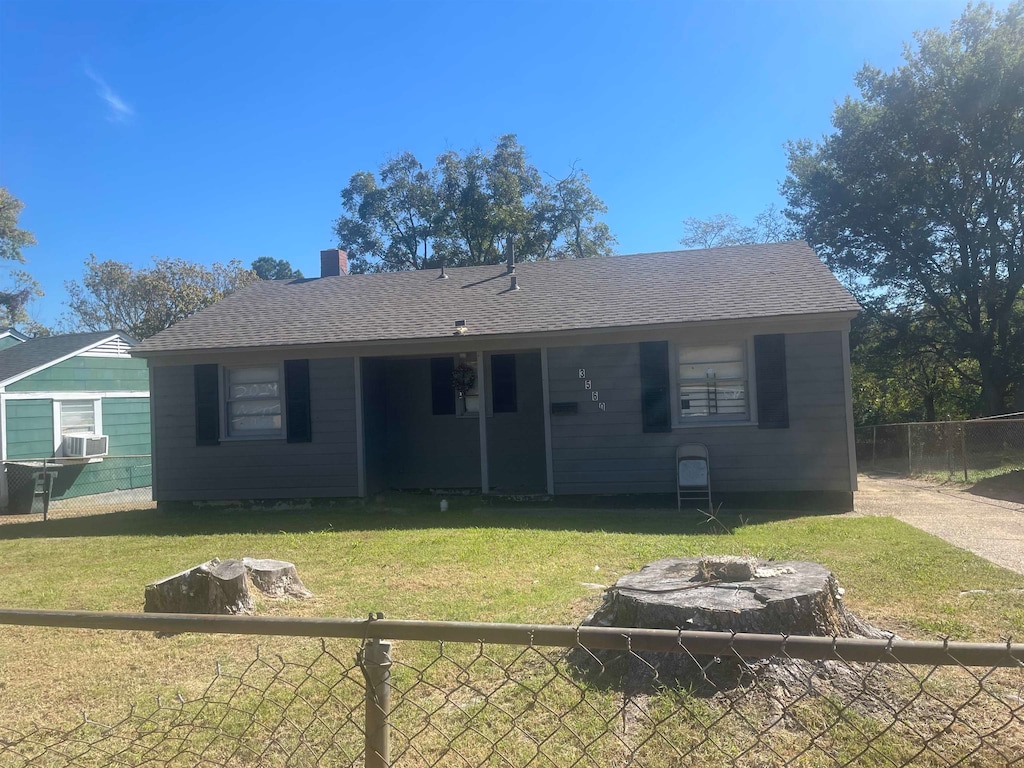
(253, 401)
(75, 417)
(713, 382)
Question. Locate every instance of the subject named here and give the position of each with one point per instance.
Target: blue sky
(220, 130)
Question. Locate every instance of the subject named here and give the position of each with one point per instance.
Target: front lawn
(478, 562)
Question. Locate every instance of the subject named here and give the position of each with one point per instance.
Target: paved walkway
(991, 528)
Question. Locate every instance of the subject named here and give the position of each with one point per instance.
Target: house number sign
(595, 395)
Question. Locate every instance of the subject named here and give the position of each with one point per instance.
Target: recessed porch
(420, 432)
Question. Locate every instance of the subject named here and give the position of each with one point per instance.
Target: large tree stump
(210, 587)
(723, 594)
(276, 578)
(730, 594)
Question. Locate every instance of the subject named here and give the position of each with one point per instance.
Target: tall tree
(269, 268)
(917, 197)
(389, 224)
(726, 229)
(468, 209)
(21, 287)
(143, 302)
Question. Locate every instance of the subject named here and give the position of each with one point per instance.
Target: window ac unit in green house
(84, 446)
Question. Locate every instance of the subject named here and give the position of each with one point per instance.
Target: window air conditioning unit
(84, 446)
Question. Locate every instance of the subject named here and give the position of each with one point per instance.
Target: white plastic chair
(693, 474)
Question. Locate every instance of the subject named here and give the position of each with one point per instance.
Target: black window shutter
(503, 383)
(207, 381)
(296, 396)
(655, 403)
(442, 391)
(772, 397)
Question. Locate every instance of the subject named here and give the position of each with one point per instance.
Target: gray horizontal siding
(597, 451)
(255, 469)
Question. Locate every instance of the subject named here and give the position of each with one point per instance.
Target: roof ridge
(627, 291)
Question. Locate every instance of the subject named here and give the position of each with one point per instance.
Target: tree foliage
(726, 229)
(21, 288)
(467, 209)
(269, 268)
(917, 197)
(899, 374)
(142, 302)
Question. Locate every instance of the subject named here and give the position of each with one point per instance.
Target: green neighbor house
(79, 401)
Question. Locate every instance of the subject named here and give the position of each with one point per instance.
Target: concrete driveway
(991, 528)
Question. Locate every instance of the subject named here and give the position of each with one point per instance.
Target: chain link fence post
(963, 449)
(910, 451)
(376, 663)
(874, 446)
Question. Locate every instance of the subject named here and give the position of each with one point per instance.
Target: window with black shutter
(772, 395)
(503, 383)
(654, 387)
(442, 391)
(298, 421)
(712, 381)
(207, 394)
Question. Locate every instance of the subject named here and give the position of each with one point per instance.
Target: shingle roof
(746, 281)
(35, 353)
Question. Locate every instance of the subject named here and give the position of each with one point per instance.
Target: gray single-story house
(562, 377)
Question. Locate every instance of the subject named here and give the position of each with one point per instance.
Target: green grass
(478, 562)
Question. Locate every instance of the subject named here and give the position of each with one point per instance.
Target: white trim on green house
(51, 363)
(14, 334)
(66, 395)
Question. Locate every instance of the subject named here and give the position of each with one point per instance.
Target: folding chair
(693, 474)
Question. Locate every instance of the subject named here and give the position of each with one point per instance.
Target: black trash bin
(29, 484)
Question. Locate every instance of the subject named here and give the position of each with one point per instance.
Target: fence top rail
(611, 638)
(986, 420)
(1016, 416)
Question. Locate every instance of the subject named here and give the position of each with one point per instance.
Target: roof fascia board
(44, 366)
(833, 321)
(15, 333)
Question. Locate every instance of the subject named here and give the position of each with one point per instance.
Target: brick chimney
(333, 262)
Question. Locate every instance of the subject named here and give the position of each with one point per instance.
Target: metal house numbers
(595, 395)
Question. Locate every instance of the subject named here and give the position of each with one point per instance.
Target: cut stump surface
(731, 595)
(210, 587)
(276, 578)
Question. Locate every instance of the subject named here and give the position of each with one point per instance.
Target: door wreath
(463, 378)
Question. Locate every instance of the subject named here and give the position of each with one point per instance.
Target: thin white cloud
(119, 110)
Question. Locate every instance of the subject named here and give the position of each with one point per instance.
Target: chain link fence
(453, 694)
(55, 488)
(967, 451)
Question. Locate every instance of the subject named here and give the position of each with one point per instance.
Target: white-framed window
(713, 382)
(252, 397)
(76, 416)
(469, 403)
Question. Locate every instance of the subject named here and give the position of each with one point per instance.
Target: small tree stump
(276, 578)
(210, 587)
